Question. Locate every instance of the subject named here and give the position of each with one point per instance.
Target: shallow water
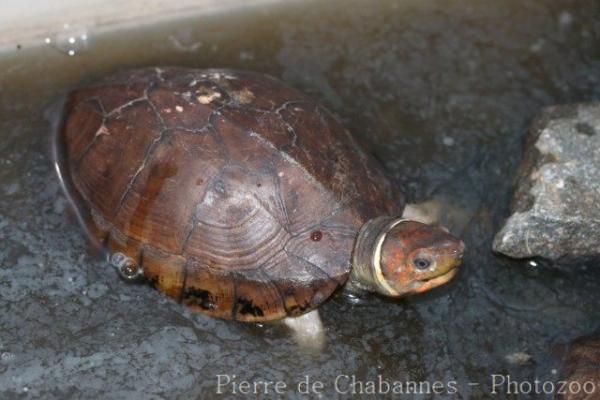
(440, 91)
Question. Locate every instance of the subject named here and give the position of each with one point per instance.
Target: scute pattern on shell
(215, 180)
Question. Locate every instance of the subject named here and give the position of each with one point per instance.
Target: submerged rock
(581, 372)
(556, 205)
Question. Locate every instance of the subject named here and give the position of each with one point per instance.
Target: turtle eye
(421, 263)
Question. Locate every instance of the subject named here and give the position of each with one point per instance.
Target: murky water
(440, 91)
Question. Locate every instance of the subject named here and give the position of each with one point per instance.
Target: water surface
(440, 91)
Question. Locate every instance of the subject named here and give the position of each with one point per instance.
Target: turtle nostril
(462, 247)
(460, 251)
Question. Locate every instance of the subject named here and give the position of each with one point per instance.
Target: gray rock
(556, 206)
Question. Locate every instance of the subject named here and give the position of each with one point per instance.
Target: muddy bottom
(440, 91)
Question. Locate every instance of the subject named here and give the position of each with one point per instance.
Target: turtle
(239, 196)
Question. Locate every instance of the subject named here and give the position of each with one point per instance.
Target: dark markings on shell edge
(184, 281)
(294, 310)
(106, 237)
(235, 297)
(202, 298)
(153, 282)
(247, 307)
(241, 304)
(299, 309)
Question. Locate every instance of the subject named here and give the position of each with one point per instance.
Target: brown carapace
(229, 191)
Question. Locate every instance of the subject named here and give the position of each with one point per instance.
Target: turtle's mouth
(430, 283)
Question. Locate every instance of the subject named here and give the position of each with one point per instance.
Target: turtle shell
(239, 196)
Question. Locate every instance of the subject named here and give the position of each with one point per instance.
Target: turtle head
(397, 257)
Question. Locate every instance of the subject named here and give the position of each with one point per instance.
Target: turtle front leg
(307, 330)
(439, 211)
(428, 212)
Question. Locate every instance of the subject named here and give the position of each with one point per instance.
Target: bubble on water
(246, 56)
(565, 19)
(71, 40)
(537, 46)
(448, 141)
(12, 188)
